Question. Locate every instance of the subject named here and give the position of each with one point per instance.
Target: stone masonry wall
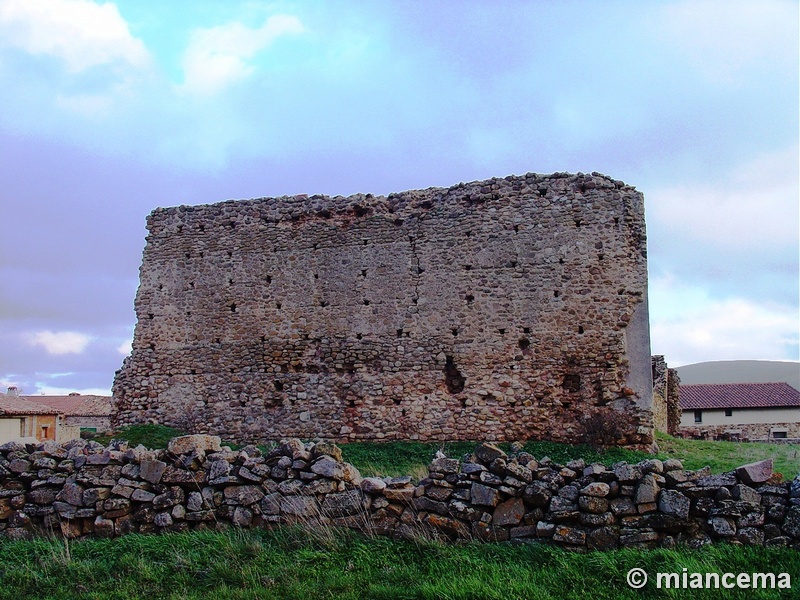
(666, 397)
(505, 309)
(749, 431)
(83, 489)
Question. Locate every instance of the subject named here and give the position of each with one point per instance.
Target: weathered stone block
(632, 538)
(104, 528)
(244, 495)
(755, 473)
(791, 524)
(189, 443)
(72, 493)
(42, 496)
(509, 512)
(713, 481)
(722, 526)
(626, 473)
(171, 497)
(488, 452)
(483, 495)
(597, 489)
(537, 494)
(485, 532)
(569, 535)
(242, 517)
(325, 466)
(142, 496)
(93, 495)
(438, 493)
(404, 495)
(163, 519)
(452, 528)
(646, 491)
(445, 465)
(327, 448)
(299, 506)
(173, 475)
(597, 520)
(524, 531)
(343, 504)
(603, 538)
(593, 504)
(671, 502)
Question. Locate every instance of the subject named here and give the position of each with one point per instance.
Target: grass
(401, 458)
(411, 458)
(289, 563)
(725, 456)
(151, 436)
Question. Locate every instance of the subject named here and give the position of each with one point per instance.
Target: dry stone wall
(505, 309)
(83, 489)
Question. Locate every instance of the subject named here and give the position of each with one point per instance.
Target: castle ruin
(508, 309)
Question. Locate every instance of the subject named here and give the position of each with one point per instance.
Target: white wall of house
(10, 429)
(741, 416)
(67, 433)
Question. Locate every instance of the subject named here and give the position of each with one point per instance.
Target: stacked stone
(84, 489)
(493, 496)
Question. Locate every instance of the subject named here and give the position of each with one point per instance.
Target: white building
(740, 411)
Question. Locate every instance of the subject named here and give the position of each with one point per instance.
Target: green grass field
(724, 456)
(292, 563)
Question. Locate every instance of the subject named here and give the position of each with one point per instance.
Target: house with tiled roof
(755, 411)
(85, 411)
(21, 418)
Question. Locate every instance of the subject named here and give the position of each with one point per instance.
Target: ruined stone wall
(83, 489)
(666, 397)
(506, 309)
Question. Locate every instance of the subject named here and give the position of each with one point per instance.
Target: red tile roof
(77, 405)
(738, 395)
(17, 405)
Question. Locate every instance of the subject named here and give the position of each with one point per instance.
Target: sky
(111, 109)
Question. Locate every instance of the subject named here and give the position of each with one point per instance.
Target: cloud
(220, 56)
(49, 390)
(722, 38)
(62, 342)
(753, 205)
(689, 325)
(125, 347)
(80, 33)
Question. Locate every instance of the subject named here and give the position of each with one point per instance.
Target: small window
(698, 416)
(728, 412)
(780, 434)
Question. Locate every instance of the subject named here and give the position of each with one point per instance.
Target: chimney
(13, 391)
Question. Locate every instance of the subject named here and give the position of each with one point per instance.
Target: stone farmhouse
(88, 412)
(22, 418)
(754, 411)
